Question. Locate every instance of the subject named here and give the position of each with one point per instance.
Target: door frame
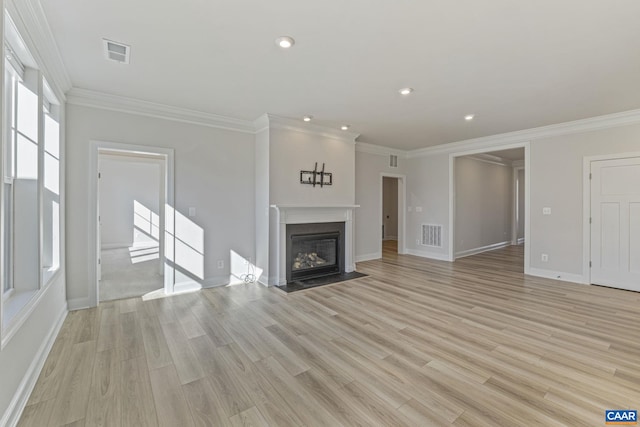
(93, 227)
(516, 215)
(586, 206)
(527, 196)
(402, 223)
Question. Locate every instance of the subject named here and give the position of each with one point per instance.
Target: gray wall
(483, 215)
(369, 169)
(214, 172)
(125, 181)
(390, 207)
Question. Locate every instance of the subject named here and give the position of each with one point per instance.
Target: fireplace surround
(286, 215)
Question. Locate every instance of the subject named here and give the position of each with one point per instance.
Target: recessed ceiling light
(469, 117)
(285, 42)
(344, 127)
(405, 90)
(307, 118)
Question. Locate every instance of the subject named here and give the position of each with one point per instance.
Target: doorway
(615, 222)
(392, 218)
(132, 218)
(130, 196)
(489, 205)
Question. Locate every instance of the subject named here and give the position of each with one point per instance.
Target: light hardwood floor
(417, 342)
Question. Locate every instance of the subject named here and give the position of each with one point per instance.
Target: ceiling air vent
(393, 161)
(432, 235)
(116, 51)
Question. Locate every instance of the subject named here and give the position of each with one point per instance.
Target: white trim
(384, 239)
(402, 212)
(557, 275)
(94, 152)
(379, 150)
(79, 303)
(493, 160)
(479, 250)
(121, 104)
(515, 205)
(21, 396)
(276, 122)
(491, 143)
(32, 24)
(431, 255)
(586, 206)
(520, 241)
(368, 257)
(122, 245)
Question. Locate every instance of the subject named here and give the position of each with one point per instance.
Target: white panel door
(615, 223)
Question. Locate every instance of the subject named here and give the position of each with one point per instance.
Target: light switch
(418, 208)
(546, 211)
(192, 212)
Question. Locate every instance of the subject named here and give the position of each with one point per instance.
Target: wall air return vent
(116, 51)
(393, 161)
(432, 235)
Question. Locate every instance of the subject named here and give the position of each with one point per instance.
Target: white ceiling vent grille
(116, 51)
(432, 235)
(393, 161)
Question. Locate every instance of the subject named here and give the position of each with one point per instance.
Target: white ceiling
(514, 64)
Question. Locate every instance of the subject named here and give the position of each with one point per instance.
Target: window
(31, 172)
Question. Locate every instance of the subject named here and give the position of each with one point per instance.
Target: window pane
(51, 136)
(27, 158)
(51, 174)
(27, 112)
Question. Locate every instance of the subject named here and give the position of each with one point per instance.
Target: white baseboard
(391, 238)
(78, 303)
(520, 241)
(106, 246)
(557, 275)
(479, 250)
(19, 402)
(427, 254)
(368, 257)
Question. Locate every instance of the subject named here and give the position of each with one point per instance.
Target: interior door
(615, 223)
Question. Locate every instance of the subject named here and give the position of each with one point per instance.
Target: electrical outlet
(220, 263)
(544, 258)
(546, 211)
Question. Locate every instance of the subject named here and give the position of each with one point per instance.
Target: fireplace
(314, 250)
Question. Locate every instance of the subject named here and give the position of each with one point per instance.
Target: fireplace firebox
(314, 250)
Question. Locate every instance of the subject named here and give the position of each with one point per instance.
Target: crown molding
(105, 101)
(32, 24)
(380, 150)
(277, 122)
(496, 141)
(488, 158)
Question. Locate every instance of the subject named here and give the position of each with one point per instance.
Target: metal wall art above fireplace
(314, 250)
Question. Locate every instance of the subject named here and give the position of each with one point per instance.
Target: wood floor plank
(138, 405)
(416, 342)
(171, 405)
(105, 399)
(72, 404)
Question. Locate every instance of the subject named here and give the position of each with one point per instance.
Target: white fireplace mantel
(305, 214)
